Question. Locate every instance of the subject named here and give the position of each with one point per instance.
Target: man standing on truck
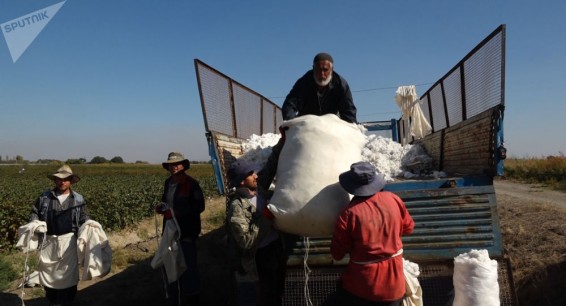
(257, 250)
(320, 91)
(370, 230)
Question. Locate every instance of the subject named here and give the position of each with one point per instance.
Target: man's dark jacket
(303, 100)
(188, 204)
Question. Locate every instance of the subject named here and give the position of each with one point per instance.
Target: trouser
(271, 262)
(343, 297)
(189, 282)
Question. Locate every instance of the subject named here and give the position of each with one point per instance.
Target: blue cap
(239, 170)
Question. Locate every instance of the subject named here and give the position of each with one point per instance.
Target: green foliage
(76, 161)
(117, 160)
(550, 171)
(117, 195)
(7, 273)
(98, 160)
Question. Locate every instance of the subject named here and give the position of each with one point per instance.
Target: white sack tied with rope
(307, 196)
(475, 279)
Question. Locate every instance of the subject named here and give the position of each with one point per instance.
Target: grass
(7, 273)
(550, 171)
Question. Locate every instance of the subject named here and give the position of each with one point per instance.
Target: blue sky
(117, 78)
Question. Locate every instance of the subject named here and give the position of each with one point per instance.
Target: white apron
(58, 262)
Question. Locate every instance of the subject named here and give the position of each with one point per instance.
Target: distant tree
(19, 159)
(76, 161)
(98, 160)
(117, 160)
(141, 162)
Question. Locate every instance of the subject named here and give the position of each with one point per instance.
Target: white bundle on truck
(475, 279)
(307, 197)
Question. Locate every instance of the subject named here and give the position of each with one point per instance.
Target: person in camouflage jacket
(257, 252)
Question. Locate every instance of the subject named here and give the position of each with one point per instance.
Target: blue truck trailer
(453, 215)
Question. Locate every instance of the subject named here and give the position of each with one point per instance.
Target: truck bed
(452, 216)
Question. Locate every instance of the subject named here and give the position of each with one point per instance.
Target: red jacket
(370, 230)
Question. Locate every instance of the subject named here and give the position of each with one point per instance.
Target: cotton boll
(385, 154)
(258, 148)
(389, 157)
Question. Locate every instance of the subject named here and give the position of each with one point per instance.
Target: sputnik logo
(19, 33)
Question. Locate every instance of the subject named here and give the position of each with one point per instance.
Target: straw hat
(176, 157)
(65, 172)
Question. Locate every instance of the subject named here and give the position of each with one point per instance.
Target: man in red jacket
(370, 230)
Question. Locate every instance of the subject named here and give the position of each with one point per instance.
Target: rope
(179, 245)
(157, 241)
(26, 269)
(165, 282)
(307, 270)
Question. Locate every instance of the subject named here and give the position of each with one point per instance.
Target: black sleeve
(267, 173)
(295, 100)
(347, 108)
(197, 199)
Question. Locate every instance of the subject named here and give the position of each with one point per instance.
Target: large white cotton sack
(307, 196)
(475, 279)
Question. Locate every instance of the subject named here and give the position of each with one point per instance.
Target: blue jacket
(61, 218)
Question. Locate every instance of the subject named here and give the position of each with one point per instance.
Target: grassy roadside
(550, 171)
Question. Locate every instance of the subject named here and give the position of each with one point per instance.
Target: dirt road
(529, 193)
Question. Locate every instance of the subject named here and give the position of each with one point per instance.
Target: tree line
(18, 159)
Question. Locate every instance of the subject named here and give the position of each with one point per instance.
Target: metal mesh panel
(320, 284)
(215, 93)
(247, 107)
(269, 118)
(483, 83)
(437, 105)
(453, 93)
(218, 91)
(426, 110)
(435, 280)
(482, 73)
(278, 118)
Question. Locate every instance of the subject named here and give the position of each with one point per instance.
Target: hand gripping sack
(307, 197)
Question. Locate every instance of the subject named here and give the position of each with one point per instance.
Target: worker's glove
(267, 214)
(160, 208)
(167, 214)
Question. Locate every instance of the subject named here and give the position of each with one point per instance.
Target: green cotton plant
(7, 273)
(117, 195)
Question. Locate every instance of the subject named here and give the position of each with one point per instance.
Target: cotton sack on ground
(307, 196)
